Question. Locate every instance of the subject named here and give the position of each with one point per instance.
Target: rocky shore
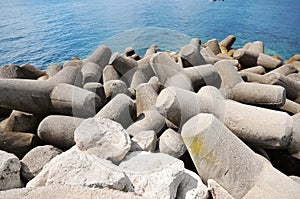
(208, 121)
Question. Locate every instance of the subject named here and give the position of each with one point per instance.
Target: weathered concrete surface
(9, 171)
(34, 161)
(149, 120)
(192, 187)
(169, 72)
(217, 191)
(144, 141)
(218, 154)
(77, 168)
(58, 130)
(120, 109)
(67, 192)
(153, 175)
(171, 143)
(103, 138)
(18, 143)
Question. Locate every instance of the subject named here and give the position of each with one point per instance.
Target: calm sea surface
(42, 32)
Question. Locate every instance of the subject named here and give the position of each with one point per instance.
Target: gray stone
(153, 175)
(218, 154)
(23, 122)
(31, 72)
(11, 71)
(34, 161)
(144, 141)
(149, 120)
(104, 138)
(9, 171)
(169, 73)
(120, 109)
(77, 168)
(58, 130)
(192, 187)
(171, 143)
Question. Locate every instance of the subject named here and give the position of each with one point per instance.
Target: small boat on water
(214, 0)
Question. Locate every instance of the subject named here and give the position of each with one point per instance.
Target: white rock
(192, 187)
(171, 143)
(104, 138)
(217, 191)
(144, 141)
(77, 168)
(153, 175)
(33, 162)
(9, 171)
(67, 192)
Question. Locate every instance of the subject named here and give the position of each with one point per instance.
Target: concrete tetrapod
(179, 105)
(100, 56)
(292, 87)
(203, 75)
(145, 97)
(235, 88)
(249, 58)
(169, 72)
(228, 41)
(71, 100)
(58, 130)
(91, 72)
(218, 154)
(120, 109)
(191, 55)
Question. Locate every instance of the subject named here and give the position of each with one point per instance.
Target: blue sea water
(42, 32)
